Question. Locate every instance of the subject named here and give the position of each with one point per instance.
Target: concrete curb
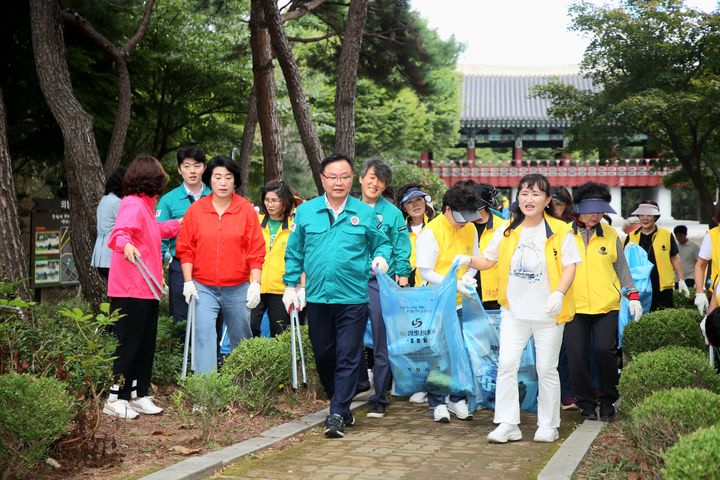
(196, 468)
(562, 465)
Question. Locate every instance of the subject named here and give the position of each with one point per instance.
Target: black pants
(336, 334)
(104, 272)
(576, 338)
(136, 333)
(662, 299)
(178, 305)
(279, 318)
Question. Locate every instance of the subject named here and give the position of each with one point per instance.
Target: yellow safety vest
(452, 241)
(661, 249)
(597, 286)
(489, 278)
(715, 259)
(271, 280)
(556, 231)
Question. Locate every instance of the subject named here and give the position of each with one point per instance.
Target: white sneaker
(460, 409)
(418, 397)
(120, 409)
(546, 435)
(441, 414)
(145, 405)
(505, 432)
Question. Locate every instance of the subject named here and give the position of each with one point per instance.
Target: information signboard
(51, 259)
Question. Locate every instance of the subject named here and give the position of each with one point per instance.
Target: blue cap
(415, 193)
(593, 205)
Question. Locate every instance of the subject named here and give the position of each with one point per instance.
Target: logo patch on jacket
(292, 227)
(157, 213)
(602, 250)
(355, 220)
(380, 217)
(402, 229)
(664, 248)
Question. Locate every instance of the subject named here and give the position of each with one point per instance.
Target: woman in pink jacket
(136, 234)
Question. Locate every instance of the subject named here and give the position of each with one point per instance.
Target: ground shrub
(261, 368)
(669, 367)
(34, 413)
(660, 419)
(681, 301)
(209, 394)
(694, 457)
(655, 330)
(168, 351)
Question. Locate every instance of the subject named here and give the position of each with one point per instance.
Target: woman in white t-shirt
(536, 256)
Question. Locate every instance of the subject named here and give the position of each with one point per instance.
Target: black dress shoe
(588, 412)
(607, 412)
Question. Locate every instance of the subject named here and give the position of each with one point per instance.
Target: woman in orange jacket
(220, 246)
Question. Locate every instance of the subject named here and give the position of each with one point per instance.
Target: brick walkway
(406, 444)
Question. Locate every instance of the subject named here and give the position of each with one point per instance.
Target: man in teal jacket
(375, 177)
(172, 206)
(333, 239)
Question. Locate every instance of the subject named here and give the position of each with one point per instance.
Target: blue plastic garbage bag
(481, 330)
(425, 343)
(640, 268)
(367, 337)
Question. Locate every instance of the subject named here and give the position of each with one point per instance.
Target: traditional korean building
(499, 111)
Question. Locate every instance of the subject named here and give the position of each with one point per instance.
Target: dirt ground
(125, 449)
(613, 456)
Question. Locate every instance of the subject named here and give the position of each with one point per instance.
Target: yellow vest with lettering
(715, 267)
(661, 249)
(596, 285)
(553, 258)
(271, 280)
(452, 241)
(489, 278)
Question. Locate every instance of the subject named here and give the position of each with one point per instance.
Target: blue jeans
(233, 303)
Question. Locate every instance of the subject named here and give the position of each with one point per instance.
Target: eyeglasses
(344, 179)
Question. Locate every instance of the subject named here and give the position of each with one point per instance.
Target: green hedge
(675, 326)
(660, 419)
(261, 368)
(669, 367)
(694, 457)
(34, 414)
(681, 301)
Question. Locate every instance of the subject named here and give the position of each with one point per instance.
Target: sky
(512, 32)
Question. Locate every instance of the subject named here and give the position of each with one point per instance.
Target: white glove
(463, 260)
(702, 329)
(701, 302)
(189, 291)
(253, 295)
(290, 299)
(301, 298)
(466, 285)
(636, 309)
(554, 304)
(379, 263)
(683, 288)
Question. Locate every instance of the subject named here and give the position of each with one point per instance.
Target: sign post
(51, 259)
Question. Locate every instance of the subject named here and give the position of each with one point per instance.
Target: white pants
(514, 335)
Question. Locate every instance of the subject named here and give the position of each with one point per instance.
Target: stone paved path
(406, 444)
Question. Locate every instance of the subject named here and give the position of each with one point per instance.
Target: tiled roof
(503, 100)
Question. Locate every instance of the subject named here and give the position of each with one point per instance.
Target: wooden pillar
(517, 149)
(471, 152)
(425, 160)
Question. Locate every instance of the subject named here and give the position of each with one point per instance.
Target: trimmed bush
(34, 414)
(660, 419)
(681, 301)
(694, 457)
(669, 367)
(261, 368)
(675, 326)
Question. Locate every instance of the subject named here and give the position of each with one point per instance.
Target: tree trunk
(264, 85)
(347, 79)
(694, 172)
(293, 79)
(248, 137)
(12, 254)
(119, 56)
(83, 169)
